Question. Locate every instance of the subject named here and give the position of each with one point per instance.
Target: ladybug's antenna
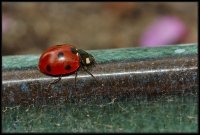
(91, 74)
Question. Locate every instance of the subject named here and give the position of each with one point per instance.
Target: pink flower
(164, 31)
(5, 23)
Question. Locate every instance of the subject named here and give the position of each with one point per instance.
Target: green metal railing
(125, 72)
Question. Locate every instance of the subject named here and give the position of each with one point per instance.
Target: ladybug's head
(86, 58)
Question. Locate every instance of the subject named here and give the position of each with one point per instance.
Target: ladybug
(63, 60)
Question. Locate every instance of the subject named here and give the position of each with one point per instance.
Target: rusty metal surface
(170, 75)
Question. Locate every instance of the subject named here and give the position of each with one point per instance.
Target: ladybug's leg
(71, 93)
(75, 79)
(76, 74)
(54, 81)
(48, 90)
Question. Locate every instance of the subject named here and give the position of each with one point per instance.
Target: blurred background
(31, 27)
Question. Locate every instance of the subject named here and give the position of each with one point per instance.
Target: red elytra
(63, 60)
(60, 60)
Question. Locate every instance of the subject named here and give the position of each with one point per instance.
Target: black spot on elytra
(74, 51)
(67, 67)
(48, 68)
(60, 55)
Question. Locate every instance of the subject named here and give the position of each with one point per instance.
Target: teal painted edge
(109, 55)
